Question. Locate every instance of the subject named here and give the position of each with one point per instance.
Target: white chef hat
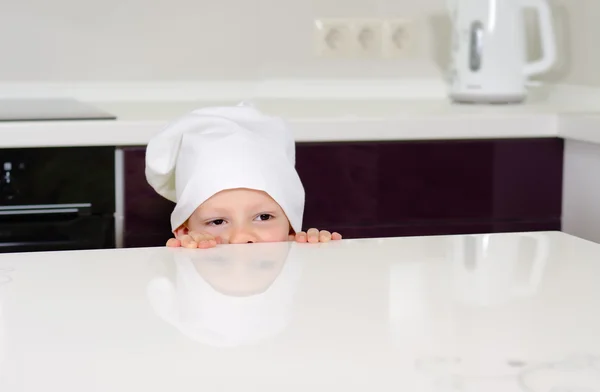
(206, 313)
(218, 148)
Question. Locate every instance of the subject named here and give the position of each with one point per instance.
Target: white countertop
(134, 128)
(501, 312)
(378, 112)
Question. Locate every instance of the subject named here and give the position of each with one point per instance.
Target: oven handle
(27, 244)
(44, 209)
(40, 212)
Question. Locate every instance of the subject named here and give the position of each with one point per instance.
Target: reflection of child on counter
(231, 172)
(231, 297)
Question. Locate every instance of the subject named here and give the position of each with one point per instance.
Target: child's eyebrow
(212, 212)
(263, 208)
(254, 212)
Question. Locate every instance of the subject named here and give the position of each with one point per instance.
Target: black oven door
(30, 228)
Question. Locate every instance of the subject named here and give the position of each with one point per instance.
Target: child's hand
(194, 240)
(314, 235)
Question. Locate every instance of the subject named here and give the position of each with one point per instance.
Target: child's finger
(197, 236)
(188, 242)
(173, 243)
(203, 240)
(324, 236)
(313, 235)
(301, 237)
(205, 244)
(336, 236)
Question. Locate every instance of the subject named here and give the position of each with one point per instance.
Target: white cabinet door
(581, 190)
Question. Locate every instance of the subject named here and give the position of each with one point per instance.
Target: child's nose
(242, 236)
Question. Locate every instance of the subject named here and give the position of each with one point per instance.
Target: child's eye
(216, 222)
(264, 217)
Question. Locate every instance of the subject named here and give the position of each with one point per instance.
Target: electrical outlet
(398, 38)
(367, 38)
(334, 38)
(364, 38)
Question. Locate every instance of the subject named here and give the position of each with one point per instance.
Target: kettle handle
(548, 39)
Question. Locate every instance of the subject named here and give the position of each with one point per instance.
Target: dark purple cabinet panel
(435, 181)
(147, 214)
(432, 187)
(499, 179)
(446, 228)
(383, 189)
(527, 179)
(340, 182)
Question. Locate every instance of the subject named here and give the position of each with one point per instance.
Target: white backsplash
(129, 40)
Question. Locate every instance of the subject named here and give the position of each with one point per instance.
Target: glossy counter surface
(502, 312)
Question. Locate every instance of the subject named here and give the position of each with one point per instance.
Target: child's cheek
(216, 231)
(274, 233)
(209, 229)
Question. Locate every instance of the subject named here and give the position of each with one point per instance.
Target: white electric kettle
(489, 49)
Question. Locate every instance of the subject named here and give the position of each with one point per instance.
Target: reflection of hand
(314, 235)
(194, 239)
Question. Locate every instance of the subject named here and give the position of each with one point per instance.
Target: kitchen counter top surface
(317, 110)
(325, 120)
(499, 312)
(311, 121)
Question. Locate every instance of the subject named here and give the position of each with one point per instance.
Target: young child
(231, 172)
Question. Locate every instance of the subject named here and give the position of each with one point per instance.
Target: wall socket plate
(364, 38)
(367, 37)
(398, 38)
(333, 38)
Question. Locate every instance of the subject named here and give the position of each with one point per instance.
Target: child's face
(240, 216)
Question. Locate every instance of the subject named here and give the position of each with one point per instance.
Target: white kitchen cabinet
(581, 190)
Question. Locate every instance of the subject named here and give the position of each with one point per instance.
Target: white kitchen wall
(577, 36)
(582, 31)
(189, 39)
(56, 40)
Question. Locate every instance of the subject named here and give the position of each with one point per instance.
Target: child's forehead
(239, 197)
(240, 193)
